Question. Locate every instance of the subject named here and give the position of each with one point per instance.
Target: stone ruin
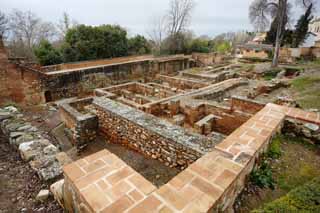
(206, 121)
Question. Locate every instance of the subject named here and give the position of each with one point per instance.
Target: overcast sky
(210, 17)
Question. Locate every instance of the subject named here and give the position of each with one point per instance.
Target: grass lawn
(307, 91)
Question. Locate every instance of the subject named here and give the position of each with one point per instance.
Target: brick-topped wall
(210, 184)
(103, 183)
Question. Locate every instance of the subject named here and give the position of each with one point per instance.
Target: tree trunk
(281, 15)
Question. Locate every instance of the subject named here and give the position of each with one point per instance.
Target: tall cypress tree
(272, 33)
(301, 32)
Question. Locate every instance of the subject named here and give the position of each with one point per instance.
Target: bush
(262, 176)
(47, 54)
(138, 45)
(87, 42)
(271, 74)
(305, 198)
(274, 150)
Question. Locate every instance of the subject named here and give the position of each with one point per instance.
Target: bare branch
(65, 24)
(179, 15)
(3, 24)
(157, 32)
(259, 14)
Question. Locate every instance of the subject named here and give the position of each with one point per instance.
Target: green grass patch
(271, 74)
(296, 169)
(9, 103)
(303, 83)
(305, 198)
(307, 91)
(274, 150)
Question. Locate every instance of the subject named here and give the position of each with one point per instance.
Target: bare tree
(65, 24)
(3, 24)
(178, 19)
(261, 11)
(157, 33)
(27, 30)
(24, 25)
(179, 15)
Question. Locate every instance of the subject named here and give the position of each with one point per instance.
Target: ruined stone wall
(226, 121)
(25, 85)
(83, 82)
(302, 129)
(3, 73)
(181, 83)
(170, 67)
(211, 184)
(20, 86)
(246, 105)
(149, 135)
(82, 124)
(255, 54)
(207, 59)
(92, 63)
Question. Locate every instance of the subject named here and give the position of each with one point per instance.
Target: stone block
(43, 195)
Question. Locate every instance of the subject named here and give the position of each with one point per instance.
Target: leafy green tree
(272, 33)
(47, 54)
(199, 45)
(301, 32)
(223, 47)
(179, 43)
(138, 45)
(87, 43)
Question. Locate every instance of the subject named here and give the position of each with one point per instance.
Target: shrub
(305, 198)
(47, 54)
(274, 150)
(262, 176)
(271, 74)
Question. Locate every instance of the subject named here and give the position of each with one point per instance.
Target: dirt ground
(298, 164)
(154, 171)
(19, 184)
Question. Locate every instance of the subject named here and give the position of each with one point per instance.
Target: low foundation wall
(83, 125)
(210, 184)
(149, 135)
(181, 83)
(246, 105)
(302, 129)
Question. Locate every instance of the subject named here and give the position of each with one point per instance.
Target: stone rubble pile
(33, 148)
(303, 129)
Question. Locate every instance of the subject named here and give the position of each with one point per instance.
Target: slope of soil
(19, 184)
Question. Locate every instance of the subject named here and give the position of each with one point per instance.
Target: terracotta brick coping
(107, 184)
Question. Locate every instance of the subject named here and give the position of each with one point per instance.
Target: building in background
(314, 26)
